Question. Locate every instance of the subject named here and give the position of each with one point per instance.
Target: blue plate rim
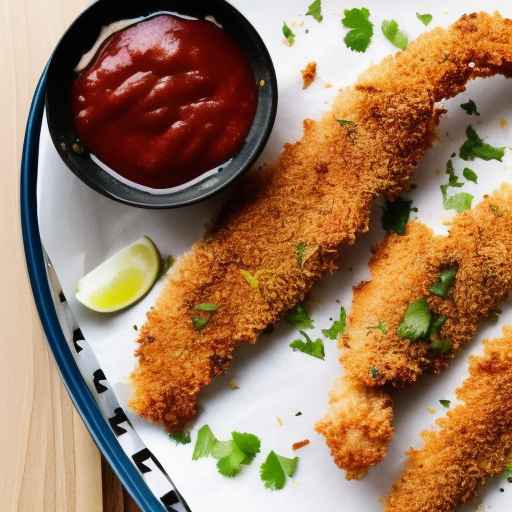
(76, 386)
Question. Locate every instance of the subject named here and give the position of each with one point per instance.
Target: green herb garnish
(442, 347)
(445, 403)
(475, 147)
(338, 326)
(300, 252)
(230, 455)
(360, 35)
(276, 469)
(508, 472)
(180, 437)
(470, 108)
(394, 35)
(470, 175)
(251, 280)
(459, 202)
(315, 10)
(395, 215)
(344, 122)
(381, 326)
(309, 347)
(204, 443)
(288, 34)
(208, 307)
(424, 18)
(444, 283)
(299, 318)
(416, 321)
(199, 323)
(436, 324)
(453, 180)
(374, 373)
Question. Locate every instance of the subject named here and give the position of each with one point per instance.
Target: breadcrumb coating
(403, 268)
(308, 74)
(473, 444)
(319, 194)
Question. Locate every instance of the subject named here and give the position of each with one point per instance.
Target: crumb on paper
(503, 122)
(431, 410)
(308, 74)
(328, 85)
(280, 421)
(232, 384)
(300, 444)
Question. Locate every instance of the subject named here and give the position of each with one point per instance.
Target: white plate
(81, 228)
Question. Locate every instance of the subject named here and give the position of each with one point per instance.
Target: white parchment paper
(80, 228)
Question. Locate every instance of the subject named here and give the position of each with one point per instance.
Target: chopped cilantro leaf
(435, 326)
(470, 175)
(300, 252)
(251, 280)
(374, 373)
(208, 307)
(508, 472)
(231, 464)
(459, 202)
(345, 122)
(453, 180)
(424, 18)
(199, 323)
(204, 443)
(288, 34)
(315, 10)
(443, 285)
(445, 403)
(442, 347)
(181, 437)
(338, 326)
(475, 147)
(299, 318)
(230, 455)
(394, 35)
(309, 347)
(470, 108)
(358, 39)
(381, 326)
(395, 215)
(416, 321)
(275, 469)
(249, 444)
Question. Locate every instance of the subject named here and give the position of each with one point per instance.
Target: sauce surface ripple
(165, 100)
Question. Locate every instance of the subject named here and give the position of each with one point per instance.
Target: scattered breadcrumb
(262, 83)
(503, 122)
(280, 421)
(233, 384)
(308, 74)
(473, 444)
(394, 107)
(431, 410)
(300, 444)
(328, 85)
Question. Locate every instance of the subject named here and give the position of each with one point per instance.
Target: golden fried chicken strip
(318, 194)
(403, 269)
(473, 444)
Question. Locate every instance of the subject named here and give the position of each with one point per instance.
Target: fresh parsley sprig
(309, 347)
(276, 469)
(315, 10)
(338, 326)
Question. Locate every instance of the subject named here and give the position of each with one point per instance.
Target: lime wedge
(122, 279)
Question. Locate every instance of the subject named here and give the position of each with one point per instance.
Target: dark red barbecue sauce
(165, 100)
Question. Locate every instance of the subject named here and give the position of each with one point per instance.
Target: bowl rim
(166, 199)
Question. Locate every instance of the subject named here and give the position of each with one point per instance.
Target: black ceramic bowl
(81, 36)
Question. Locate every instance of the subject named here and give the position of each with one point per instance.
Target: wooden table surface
(49, 462)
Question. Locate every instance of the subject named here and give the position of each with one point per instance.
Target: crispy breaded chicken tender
(473, 444)
(358, 426)
(319, 195)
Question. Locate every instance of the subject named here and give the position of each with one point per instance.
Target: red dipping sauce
(165, 100)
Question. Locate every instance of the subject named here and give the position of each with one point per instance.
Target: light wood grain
(48, 461)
